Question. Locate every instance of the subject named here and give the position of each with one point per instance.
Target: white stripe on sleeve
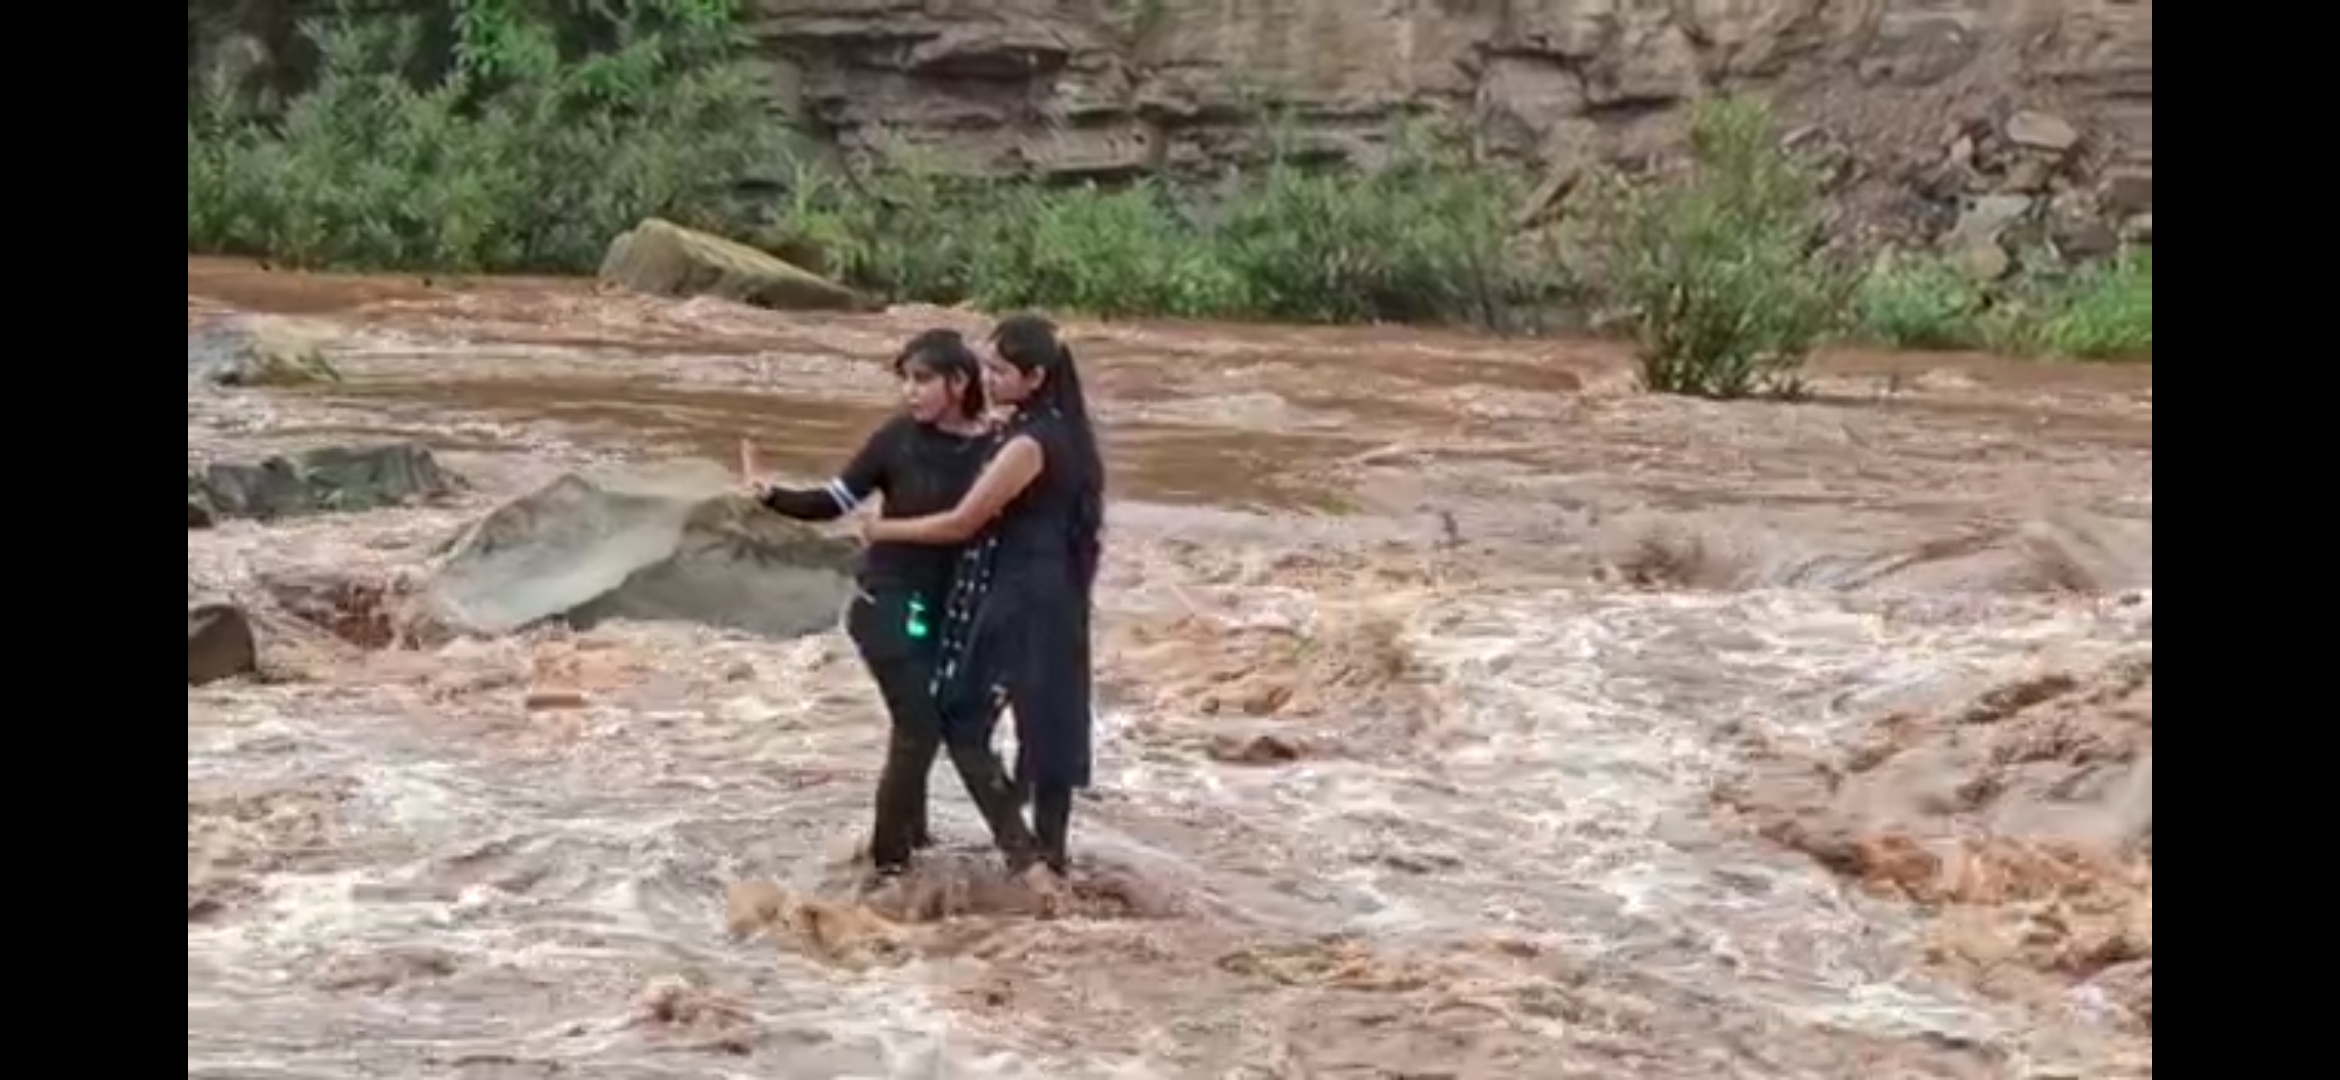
(842, 495)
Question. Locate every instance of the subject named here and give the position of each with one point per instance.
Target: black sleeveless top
(1037, 530)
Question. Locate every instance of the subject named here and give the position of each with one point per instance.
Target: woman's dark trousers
(904, 669)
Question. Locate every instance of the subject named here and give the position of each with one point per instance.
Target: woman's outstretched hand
(758, 488)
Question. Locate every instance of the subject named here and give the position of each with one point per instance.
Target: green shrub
(2100, 311)
(1426, 238)
(1429, 237)
(909, 231)
(528, 150)
(1124, 252)
(2103, 312)
(1717, 269)
(1919, 304)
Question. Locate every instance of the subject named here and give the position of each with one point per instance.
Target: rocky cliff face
(2039, 108)
(1962, 118)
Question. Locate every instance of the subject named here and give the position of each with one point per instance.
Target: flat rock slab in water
(255, 351)
(678, 543)
(330, 478)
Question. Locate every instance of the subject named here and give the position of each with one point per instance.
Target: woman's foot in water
(882, 890)
(1048, 888)
(866, 847)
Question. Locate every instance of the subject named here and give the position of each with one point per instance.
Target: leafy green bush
(1427, 237)
(2103, 312)
(1424, 238)
(1919, 304)
(1125, 252)
(1717, 269)
(528, 150)
(910, 231)
(2099, 311)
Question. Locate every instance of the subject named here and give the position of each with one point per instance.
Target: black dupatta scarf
(959, 692)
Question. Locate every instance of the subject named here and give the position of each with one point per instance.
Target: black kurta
(1018, 621)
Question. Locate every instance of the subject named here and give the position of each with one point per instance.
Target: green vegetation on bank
(1719, 270)
(492, 139)
(2102, 311)
(1425, 239)
(521, 135)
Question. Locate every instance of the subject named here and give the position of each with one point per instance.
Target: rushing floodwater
(1489, 854)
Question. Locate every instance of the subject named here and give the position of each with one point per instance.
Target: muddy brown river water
(1425, 657)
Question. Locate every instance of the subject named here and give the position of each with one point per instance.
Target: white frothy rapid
(399, 868)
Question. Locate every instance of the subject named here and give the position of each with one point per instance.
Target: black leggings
(903, 669)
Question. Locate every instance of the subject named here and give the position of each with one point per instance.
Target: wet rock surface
(1403, 766)
(325, 479)
(676, 542)
(367, 612)
(257, 351)
(220, 642)
(665, 259)
(2020, 821)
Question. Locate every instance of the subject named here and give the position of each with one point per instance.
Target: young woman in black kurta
(1017, 624)
(922, 461)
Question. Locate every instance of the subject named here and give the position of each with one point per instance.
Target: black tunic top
(1018, 619)
(920, 469)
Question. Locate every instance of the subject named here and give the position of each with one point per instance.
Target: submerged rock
(330, 478)
(256, 351)
(2056, 551)
(220, 644)
(358, 609)
(2020, 819)
(677, 543)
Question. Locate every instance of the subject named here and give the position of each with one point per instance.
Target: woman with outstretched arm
(1016, 627)
(921, 461)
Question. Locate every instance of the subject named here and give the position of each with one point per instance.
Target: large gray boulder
(678, 542)
(664, 259)
(220, 643)
(330, 478)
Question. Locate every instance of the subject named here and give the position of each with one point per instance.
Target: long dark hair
(946, 353)
(1029, 343)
